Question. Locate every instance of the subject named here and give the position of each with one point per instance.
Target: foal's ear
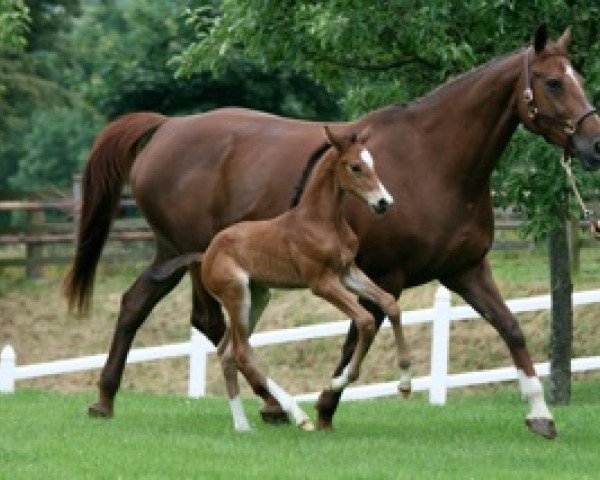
(565, 39)
(364, 135)
(337, 142)
(541, 38)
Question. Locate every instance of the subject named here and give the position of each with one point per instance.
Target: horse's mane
(310, 165)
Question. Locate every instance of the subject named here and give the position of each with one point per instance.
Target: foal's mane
(310, 165)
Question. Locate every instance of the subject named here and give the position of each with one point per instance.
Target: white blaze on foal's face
(379, 195)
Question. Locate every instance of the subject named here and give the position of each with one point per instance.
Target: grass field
(47, 435)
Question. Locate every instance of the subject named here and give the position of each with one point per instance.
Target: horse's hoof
(274, 415)
(542, 426)
(97, 410)
(323, 424)
(307, 425)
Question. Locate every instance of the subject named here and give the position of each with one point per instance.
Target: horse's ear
(541, 38)
(565, 39)
(364, 135)
(336, 141)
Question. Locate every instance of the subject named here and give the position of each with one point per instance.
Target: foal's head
(554, 102)
(355, 170)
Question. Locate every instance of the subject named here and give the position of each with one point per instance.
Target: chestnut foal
(311, 246)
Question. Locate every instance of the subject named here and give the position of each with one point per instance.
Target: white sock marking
(240, 422)
(533, 391)
(339, 382)
(287, 402)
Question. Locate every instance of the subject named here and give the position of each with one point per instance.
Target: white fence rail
(437, 383)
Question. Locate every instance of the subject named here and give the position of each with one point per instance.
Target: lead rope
(565, 161)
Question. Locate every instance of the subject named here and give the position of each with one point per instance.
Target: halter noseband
(569, 126)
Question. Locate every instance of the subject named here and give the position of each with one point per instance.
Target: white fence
(437, 383)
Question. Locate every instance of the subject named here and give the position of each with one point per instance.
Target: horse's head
(355, 170)
(554, 103)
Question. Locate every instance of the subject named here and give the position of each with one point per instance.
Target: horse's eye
(355, 168)
(554, 85)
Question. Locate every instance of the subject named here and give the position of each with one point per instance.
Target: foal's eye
(355, 168)
(554, 85)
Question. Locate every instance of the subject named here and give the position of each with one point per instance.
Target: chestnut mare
(193, 176)
(311, 245)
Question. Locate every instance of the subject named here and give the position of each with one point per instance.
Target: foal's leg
(333, 291)
(356, 281)
(237, 301)
(136, 304)
(207, 317)
(225, 352)
(478, 288)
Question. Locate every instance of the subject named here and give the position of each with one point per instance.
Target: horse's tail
(108, 167)
(165, 270)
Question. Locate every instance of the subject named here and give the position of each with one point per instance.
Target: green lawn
(47, 435)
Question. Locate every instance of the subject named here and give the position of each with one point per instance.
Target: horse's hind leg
(357, 282)
(207, 317)
(237, 301)
(230, 373)
(271, 412)
(136, 304)
(478, 288)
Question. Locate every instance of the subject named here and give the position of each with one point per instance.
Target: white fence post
(7, 370)
(440, 339)
(198, 353)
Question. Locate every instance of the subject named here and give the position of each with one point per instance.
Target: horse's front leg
(359, 283)
(331, 289)
(478, 288)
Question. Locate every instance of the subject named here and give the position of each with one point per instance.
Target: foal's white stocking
(290, 406)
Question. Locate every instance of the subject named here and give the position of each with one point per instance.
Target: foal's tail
(108, 167)
(162, 272)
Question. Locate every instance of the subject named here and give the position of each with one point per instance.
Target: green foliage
(14, 20)
(55, 147)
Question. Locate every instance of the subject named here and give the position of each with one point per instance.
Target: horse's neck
(478, 113)
(322, 197)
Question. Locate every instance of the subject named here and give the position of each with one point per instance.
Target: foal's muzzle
(381, 206)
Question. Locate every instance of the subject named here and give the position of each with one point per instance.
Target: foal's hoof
(307, 425)
(97, 410)
(542, 426)
(274, 415)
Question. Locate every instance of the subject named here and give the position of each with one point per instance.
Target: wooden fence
(30, 244)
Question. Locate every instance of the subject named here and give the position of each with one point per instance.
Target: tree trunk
(562, 316)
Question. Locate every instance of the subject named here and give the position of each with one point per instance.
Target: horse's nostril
(382, 202)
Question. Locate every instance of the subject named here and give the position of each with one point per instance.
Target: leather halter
(569, 126)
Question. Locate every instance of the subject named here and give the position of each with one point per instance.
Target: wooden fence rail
(44, 230)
